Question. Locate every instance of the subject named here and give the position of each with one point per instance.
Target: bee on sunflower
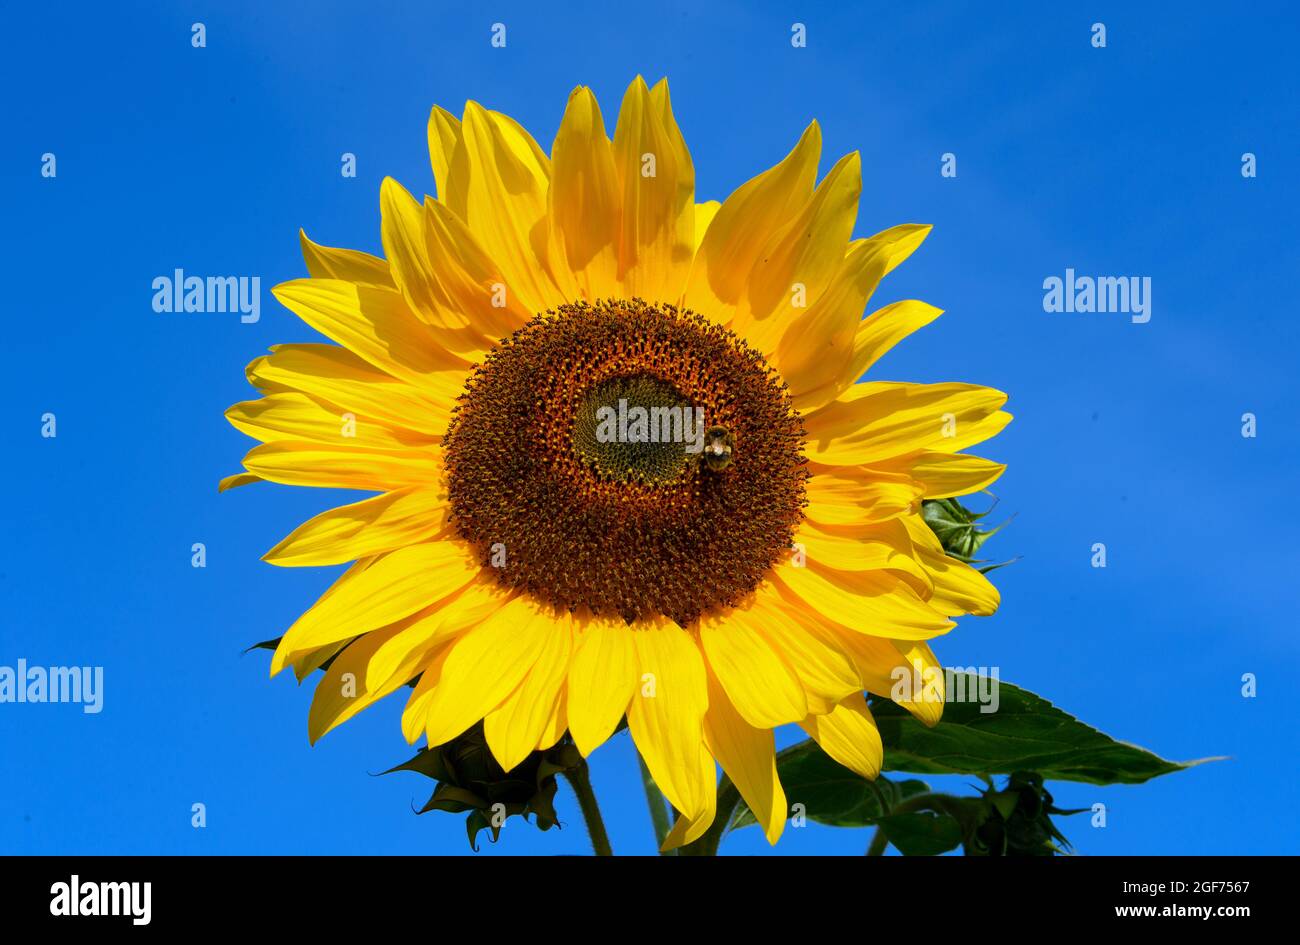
(522, 573)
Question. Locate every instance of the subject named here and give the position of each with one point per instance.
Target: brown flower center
(633, 458)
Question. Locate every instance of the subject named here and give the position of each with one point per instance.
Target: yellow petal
(849, 735)
(758, 682)
(444, 139)
(341, 694)
(308, 463)
(393, 587)
(514, 728)
(369, 527)
(485, 666)
(445, 620)
(835, 324)
(416, 712)
(743, 226)
(658, 195)
(883, 329)
(872, 602)
(899, 242)
(306, 662)
(941, 475)
(958, 588)
(328, 262)
(863, 341)
(845, 495)
(796, 267)
(905, 671)
(748, 756)
(872, 338)
(505, 200)
(926, 692)
(335, 375)
(704, 214)
(377, 324)
(469, 281)
(293, 416)
(419, 272)
(346, 687)
(584, 208)
(558, 723)
(815, 350)
(666, 718)
(878, 546)
(601, 681)
(402, 228)
(824, 668)
(690, 828)
(876, 421)
(238, 479)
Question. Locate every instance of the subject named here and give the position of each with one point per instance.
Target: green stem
(658, 805)
(708, 843)
(580, 781)
(878, 843)
(940, 803)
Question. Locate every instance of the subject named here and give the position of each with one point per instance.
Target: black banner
(205, 894)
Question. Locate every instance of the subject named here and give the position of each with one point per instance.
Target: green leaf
(830, 793)
(921, 834)
(1026, 733)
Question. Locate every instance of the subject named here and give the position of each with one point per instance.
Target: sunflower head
(624, 464)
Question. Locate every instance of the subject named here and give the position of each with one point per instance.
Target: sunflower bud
(1016, 821)
(470, 780)
(959, 531)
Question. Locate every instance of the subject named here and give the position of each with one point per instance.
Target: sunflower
(534, 565)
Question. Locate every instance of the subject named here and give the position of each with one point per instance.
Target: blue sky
(1117, 161)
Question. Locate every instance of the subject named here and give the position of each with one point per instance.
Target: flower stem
(940, 803)
(655, 800)
(878, 843)
(580, 781)
(707, 845)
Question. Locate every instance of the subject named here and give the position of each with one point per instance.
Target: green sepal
(471, 781)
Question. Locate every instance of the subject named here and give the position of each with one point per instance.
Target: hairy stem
(658, 806)
(580, 780)
(878, 843)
